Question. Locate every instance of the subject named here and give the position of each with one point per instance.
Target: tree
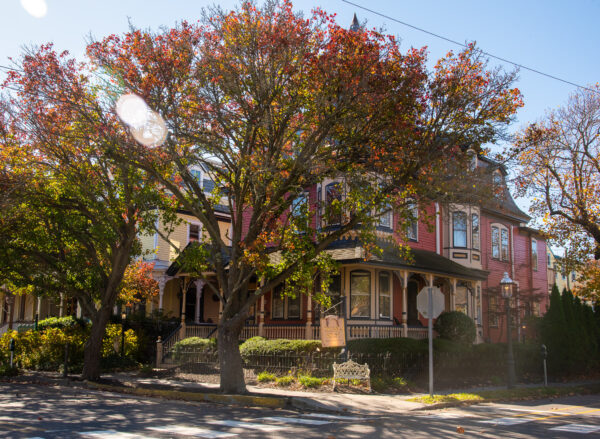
(270, 103)
(81, 212)
(559, 160)
(138, 285)
(588, 286)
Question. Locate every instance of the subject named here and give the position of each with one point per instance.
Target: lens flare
(153, 132)
(35, 8)
(132, 110)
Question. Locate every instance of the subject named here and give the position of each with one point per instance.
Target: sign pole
(430, 335)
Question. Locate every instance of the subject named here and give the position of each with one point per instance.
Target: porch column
(261, 316)
(61, 306)
(182, 330)
(78, 313)
(199, 286)
(308, 334)
(162, 281)
(405, 304)
(10, 300)
(453, 296)
(39, 308)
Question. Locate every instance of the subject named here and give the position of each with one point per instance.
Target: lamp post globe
(506, 288)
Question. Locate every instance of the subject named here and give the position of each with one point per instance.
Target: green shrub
(284, 381)
(61, 323)
(262, 346)
(190, 347)
(456, 326)
(310, 381)
(7, 371)
(266, 377)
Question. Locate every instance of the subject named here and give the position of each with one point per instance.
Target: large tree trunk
(230, 360)
(93, 345)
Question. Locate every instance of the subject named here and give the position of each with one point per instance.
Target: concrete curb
(245, 400)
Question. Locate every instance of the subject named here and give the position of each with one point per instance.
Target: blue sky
(558, 37)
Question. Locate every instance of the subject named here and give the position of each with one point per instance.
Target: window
(334, 292)
(475, 231)
(534, 254)
(208, 185)
(333, 196)
(319, 206)
(360, 294)
(413, 225)
(549, 263)
(285, 307)
(299, 208)
(385, 292)
(495, 243)
(493, 311)
(385, 220)
(197, 175)
(461, 298)
(504, 234)
(459, 229)
(497, 178)
(573, 275)
(193, 232)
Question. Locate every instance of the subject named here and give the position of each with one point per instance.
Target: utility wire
(464, 45)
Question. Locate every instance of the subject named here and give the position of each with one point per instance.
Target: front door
(413, 314)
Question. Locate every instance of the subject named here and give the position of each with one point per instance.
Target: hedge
(44, 350)
(189, 348)
(261, 346)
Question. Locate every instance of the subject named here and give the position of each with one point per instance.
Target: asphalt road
(33, 411)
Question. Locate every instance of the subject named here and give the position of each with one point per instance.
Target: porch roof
(422, 260)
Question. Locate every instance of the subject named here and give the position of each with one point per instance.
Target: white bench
(350, 370)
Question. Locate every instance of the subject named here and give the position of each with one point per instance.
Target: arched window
(534, 254)
(475, 231)
(360, 294)
(504, 242)
(459, 229)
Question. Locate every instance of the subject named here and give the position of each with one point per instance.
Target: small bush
(193, 346)
(456, 326)
(284, 381)
(7, 371)
(61, 323)
(266, 377)
(310, 381)
(262, 346)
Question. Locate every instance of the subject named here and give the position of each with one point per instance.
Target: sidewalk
(348, 403)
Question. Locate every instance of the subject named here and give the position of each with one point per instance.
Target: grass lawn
(517, 394)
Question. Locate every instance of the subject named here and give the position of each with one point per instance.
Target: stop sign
(423, 301)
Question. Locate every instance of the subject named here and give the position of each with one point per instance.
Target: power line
(521, 66)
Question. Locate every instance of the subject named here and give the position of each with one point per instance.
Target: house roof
(348, 251)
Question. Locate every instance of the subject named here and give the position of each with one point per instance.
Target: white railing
(202, 331)
(316, 332)
(249, 332)
(418, 333)
(291, 332)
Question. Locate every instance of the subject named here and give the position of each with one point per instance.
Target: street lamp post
(506, 287)
(123, 320)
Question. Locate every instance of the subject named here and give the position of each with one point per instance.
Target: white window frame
(370, 294)
(466, 229)
(534, 255)
(475, 243)
(194, 223)
(413, 225)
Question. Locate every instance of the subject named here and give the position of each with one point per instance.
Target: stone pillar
(453, 296)
(61, 306)
(261, 316)
(308, 334)
(162, 281)
(199, 286)
(405, 304)
(159, 352)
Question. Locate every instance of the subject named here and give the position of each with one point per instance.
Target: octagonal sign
(437, 298)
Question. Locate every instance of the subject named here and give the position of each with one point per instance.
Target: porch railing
(202, 330)
(291, 332)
